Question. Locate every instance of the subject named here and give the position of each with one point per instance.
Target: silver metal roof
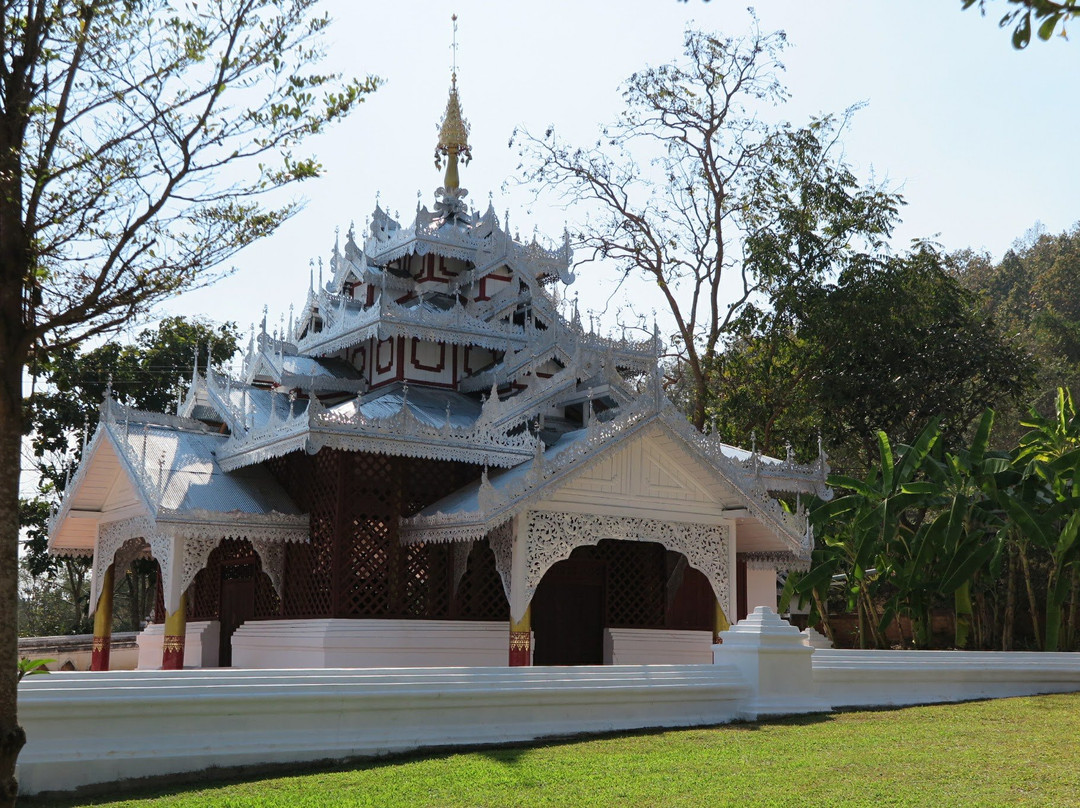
(178, 471)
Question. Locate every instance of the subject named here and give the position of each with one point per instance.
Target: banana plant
(976, 528)
(861, 529)
(1044, 500)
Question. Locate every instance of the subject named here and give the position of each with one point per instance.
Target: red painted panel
(416, 363)
(172, 652)
(379, 366)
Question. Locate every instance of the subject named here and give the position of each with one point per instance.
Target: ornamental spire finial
(454, 130)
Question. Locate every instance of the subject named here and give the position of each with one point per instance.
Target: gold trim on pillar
(720, 623)
(172, 644)
(103, 613)
(521, 640)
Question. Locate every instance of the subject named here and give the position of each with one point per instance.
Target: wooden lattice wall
(646, 586)
(355, 564)
(205, 591)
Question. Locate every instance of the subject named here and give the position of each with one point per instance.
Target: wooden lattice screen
(354, 564)
(480, 595)
(641, 590)
(635, 582)
(205, 592)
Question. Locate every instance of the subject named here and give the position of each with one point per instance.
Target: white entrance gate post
(774, 660)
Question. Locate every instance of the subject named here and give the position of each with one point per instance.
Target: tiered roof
(542, 396)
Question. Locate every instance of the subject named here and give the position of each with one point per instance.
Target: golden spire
(454, 131)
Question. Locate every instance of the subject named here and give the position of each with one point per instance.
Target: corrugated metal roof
(426, 404)
(180, 472)
(320, 368)
(256, 403)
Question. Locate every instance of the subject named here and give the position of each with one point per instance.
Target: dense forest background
(889, 344)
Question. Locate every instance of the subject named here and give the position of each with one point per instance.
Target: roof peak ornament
(454, 129)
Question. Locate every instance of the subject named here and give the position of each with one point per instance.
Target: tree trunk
(12, 736)
(73, 589)
(1074, 610)
(859, 612)
(1033, 605)
(920, 627)
(823, 611)
(871, 619)
(1009, 619)
(962, 608)
(1056, 593)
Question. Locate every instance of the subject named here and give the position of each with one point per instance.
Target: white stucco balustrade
(92, 728)
(85, 728)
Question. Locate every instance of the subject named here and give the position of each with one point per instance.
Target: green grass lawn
(1008, 752)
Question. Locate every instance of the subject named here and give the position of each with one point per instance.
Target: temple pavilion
(433, 465)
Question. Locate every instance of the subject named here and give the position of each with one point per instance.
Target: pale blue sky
(979, 138)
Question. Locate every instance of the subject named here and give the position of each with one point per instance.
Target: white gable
(650, 476)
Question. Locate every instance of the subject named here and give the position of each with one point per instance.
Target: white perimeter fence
(86, 728)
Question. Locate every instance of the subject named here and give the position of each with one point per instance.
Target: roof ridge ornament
(454, 129)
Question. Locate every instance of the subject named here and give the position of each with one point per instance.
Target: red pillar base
(99, 653)
(520, 648)
(172, 652)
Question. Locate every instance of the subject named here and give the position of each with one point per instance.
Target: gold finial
(454, 131)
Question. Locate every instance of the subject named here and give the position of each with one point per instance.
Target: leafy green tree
(1049, 15)
(729, 201)
(899, 343)
(135, 141)
(866, 527)
(1031, 296)
(768, 387)
(889, 344)
(931, 524)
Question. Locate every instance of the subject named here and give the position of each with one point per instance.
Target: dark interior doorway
(568, 613)
(740, 589)
(237, 604)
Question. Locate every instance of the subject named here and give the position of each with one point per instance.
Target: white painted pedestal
(774, 659)
(200, 645)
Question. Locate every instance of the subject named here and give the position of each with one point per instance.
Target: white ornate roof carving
(181, 489)
(439, 425)
(473, 511)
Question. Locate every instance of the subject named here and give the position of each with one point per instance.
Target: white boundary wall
(85, 728)
(76, 651)
(652, 646)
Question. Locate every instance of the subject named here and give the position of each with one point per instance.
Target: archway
(615, 584)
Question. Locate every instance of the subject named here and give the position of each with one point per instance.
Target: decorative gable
(650, 476)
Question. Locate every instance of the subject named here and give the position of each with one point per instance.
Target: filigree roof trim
(497, 436)
(321, 378)
(345, 326)
(218, 393)
(202, 524)
(793, 528)
(497, 502)
(101, 435)
(115, 422)
(467, 237)
(778, 560)
(517, 491)
(475, 453)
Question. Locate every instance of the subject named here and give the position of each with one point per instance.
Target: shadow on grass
(509, 754)
(512, 753)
